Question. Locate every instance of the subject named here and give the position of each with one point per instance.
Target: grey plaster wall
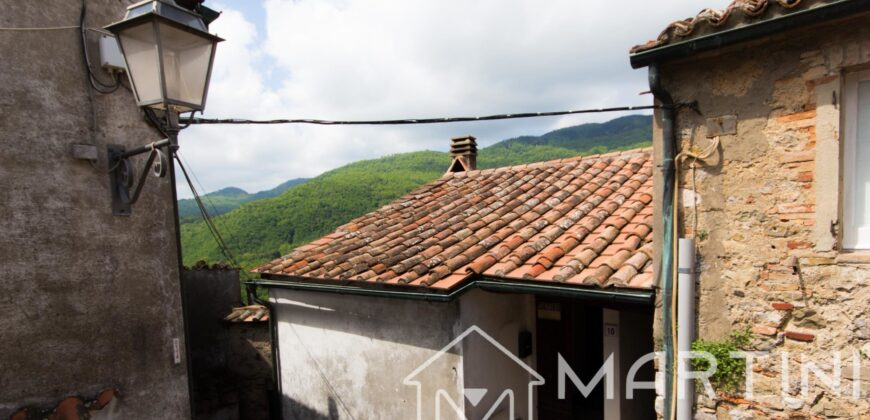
(89, 300)
(343, 356)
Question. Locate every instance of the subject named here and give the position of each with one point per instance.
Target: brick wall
(766, 212)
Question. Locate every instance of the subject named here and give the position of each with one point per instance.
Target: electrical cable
(189, 119)
(678, 159)
(196, 179)
(410, 121)
(207, 219)
(209, 223)
(94, 81)
(152, 119)
(45, 28)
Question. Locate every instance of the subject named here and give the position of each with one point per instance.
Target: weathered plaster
(341, 354)
(89, 300)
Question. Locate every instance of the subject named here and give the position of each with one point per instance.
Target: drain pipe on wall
(666, 266)
(685, 326)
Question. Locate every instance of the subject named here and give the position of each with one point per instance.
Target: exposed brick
(800, 336)
(797, 116)
(782, 306)
(794, 208)
(798, 244)
(805, 176)
(804, 156)
(764, 330)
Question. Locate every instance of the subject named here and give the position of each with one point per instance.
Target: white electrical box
(110, 54)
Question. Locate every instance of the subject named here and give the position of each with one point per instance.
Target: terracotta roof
(578, 221)
(739, 13)
(250, 313)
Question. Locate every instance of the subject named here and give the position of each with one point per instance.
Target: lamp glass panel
(186, 60)
(140, 51)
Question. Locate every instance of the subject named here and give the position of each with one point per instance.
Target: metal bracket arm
(121, 173)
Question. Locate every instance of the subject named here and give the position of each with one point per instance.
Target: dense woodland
(228, 199)
(261, 229)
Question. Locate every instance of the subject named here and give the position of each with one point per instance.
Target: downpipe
(685, 327)
(666, 266)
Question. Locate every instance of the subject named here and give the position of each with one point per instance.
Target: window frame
(850, 240)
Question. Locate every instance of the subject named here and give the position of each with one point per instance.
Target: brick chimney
(463, 150)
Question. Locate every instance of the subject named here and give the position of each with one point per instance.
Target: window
(856, 161)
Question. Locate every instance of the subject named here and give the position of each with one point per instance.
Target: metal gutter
(810, 16)
(493, 284)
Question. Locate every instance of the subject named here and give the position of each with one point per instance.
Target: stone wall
(765, 210)
(90, 301)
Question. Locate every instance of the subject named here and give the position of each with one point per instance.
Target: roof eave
(492, 284)
(798, 19)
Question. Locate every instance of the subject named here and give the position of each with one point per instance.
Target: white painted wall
(341, 353)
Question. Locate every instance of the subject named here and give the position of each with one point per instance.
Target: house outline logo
(474, 395)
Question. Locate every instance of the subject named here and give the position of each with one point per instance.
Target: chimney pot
(463, 150)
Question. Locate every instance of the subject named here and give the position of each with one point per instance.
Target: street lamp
(169, 55)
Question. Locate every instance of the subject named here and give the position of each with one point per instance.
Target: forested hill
(263, 229)
(228, 199)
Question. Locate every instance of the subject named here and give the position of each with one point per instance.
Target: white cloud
(377, 59)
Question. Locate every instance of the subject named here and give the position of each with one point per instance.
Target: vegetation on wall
(264, 229)
(730, 371)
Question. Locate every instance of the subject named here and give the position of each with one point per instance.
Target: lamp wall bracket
(121, 173)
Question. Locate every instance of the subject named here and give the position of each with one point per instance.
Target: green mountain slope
(267, 228)
(228, 199)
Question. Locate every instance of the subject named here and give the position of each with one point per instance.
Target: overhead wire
(196, 179)
(44, 28)
(213, 230)
(410, 121)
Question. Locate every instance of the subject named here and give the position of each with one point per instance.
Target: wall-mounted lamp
(169, 54)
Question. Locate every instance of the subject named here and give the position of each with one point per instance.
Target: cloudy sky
(386, 59)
